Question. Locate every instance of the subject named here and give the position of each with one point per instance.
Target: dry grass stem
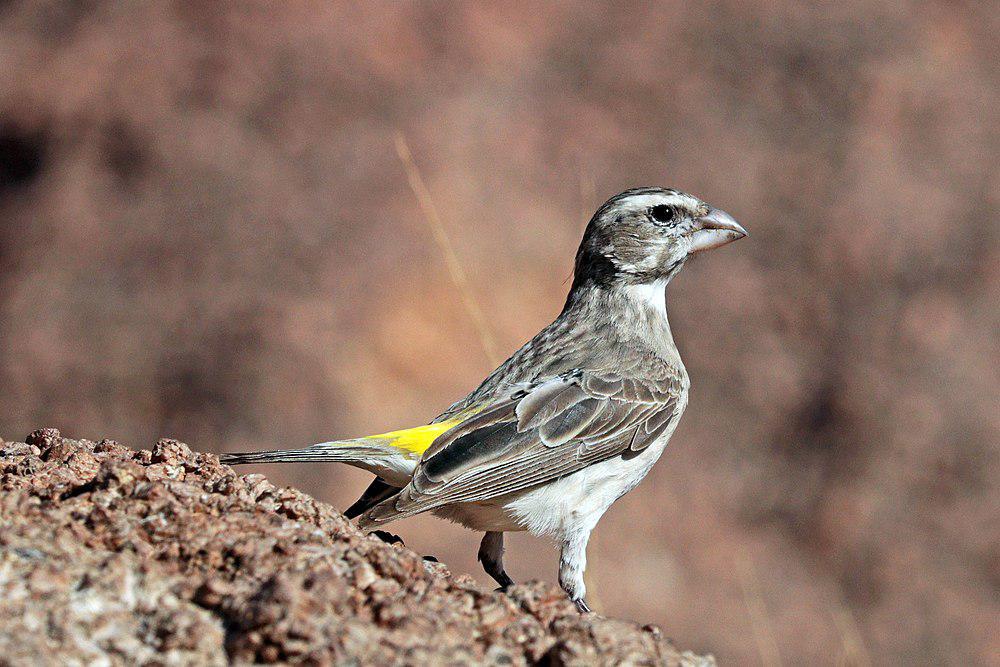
(454, 267)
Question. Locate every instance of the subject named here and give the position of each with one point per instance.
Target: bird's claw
(582, 606)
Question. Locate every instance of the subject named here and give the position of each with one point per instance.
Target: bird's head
(644, 235)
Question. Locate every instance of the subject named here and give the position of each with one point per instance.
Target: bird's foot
(504, 581)
(582, 606)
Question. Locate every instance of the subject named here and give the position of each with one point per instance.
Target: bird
(573, 420)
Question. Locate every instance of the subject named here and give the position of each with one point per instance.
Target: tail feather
(332, 452)
(377, 456)
(404, 446)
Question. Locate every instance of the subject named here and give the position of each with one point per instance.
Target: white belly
(564, 505)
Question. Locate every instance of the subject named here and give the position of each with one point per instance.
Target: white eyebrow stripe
(648, 201)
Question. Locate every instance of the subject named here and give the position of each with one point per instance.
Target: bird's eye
(662, 213)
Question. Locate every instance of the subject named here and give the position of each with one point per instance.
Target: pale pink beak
(715, 228)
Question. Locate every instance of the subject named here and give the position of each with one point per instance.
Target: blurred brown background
(206, 233)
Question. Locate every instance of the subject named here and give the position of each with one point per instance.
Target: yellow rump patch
(419, 438)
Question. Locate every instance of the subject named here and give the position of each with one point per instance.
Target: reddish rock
(169, 557)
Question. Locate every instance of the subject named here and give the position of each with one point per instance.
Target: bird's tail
(376, 455)
(333, 452)
(392, 456)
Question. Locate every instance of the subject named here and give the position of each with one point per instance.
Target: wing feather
(546, 431)
(570, 422)
(546, 402)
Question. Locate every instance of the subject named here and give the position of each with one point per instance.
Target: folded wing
(537, 434)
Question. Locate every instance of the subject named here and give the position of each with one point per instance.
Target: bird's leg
(572, 563)
(491, 556)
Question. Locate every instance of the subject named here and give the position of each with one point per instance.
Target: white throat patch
(650, 296)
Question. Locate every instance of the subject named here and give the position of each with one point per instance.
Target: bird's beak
(715, 228)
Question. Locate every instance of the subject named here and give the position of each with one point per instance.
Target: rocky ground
(110, 555)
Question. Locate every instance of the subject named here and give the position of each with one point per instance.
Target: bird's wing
(544, 432)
